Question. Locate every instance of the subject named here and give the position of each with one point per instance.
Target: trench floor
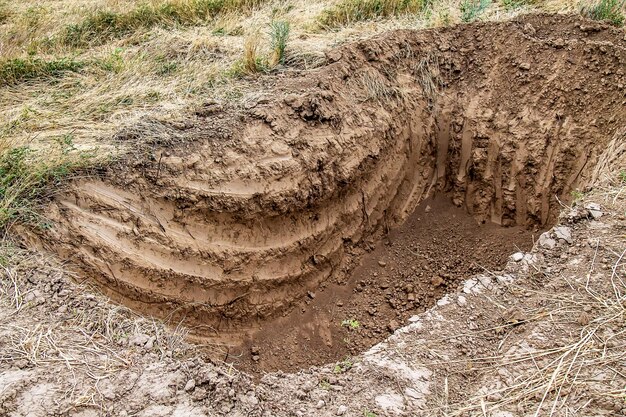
(436, 249)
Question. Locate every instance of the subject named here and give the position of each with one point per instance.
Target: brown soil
(233, 217)
(414, 265)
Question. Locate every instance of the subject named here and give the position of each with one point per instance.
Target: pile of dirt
(235, 217)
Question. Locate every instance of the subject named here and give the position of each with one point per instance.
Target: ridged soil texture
(249, 225)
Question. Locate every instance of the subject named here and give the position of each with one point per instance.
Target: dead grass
(88, 67)
(347, 12)
(89, 345)
(103, 25)
(28, 176)
(556, 373)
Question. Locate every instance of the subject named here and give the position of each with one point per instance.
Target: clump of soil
(232, 218)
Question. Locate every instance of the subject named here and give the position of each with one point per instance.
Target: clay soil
(401, 275)
(294, 230)
(379, 193)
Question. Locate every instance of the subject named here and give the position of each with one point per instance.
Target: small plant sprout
(352, 324)
(472, 9)
(279, 34)
(324, 384)
(577, 195)
(343, 366)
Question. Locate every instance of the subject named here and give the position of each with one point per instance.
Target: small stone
(461, 300)
(256, 358)
(150, 343)
(190, 385)
(311, 294)
(525, 66)
(563, 233)
(320, 404)
(436, 281)
(427, 209)
(255, 350)
(21, 363)
(595, 210)
(393, 325)
(410, 297)
(341, 410)
(584, 319)
(382, 263)
(139, 339)
(546, 241)
(517, 256)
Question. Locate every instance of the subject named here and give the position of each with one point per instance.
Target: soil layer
(235, 216)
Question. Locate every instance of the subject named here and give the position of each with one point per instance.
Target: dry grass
(556, 373)
(165, 57)
(88, 345)
(570, 355)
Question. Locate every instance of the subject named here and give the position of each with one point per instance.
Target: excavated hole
(306, 228)
(401, 273)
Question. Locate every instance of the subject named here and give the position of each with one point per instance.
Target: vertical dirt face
(233, 216)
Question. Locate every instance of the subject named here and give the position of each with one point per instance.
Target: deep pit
(248, 223)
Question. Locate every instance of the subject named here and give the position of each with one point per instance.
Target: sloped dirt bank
(234, 216)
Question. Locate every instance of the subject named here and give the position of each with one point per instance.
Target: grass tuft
(279, 33)
(17, 70)
(609, 10)
(26, 177)
(104, 25)
(5, 14)
(472, 9)
(349, 11)
(516, 4)
(252, 61)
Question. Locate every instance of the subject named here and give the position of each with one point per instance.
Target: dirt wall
(236, 212)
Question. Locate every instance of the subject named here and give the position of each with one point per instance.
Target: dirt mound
(232, 217)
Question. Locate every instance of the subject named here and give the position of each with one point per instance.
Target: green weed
(516, 4)
(343, 366)
(16, 70)
(609, 10)
(113, 63)
(352, 324)
(279, 34)
(472, 9)
(577, 195)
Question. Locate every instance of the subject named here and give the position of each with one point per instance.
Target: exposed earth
(403, 188)
(404, 274)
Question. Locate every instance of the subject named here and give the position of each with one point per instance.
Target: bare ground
(545, 335)
(292, 209)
